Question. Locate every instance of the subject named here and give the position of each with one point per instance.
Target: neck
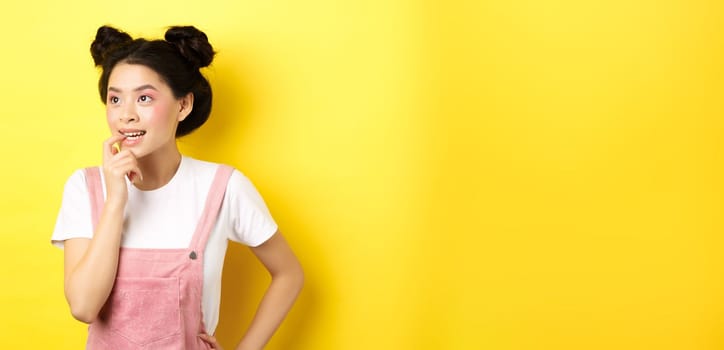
(159, 167)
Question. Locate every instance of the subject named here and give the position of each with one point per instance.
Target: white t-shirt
(166, 218)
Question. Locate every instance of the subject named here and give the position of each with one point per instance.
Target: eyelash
(115, 99)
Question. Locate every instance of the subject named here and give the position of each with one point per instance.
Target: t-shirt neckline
(181, 168)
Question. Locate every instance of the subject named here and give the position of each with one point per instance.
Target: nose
(128, 115)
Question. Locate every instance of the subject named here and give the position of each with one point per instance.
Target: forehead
(126, 76)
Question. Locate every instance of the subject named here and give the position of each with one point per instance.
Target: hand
(116, 166)
(211, 340)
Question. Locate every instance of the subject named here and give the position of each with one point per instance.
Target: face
(142, 106)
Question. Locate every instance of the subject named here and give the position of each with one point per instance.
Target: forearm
(90, 281)
(274, 306)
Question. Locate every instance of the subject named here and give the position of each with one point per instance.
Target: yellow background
(452, 174)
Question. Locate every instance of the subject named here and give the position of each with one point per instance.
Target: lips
(133, 134)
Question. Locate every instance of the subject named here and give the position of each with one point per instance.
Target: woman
(145, 234)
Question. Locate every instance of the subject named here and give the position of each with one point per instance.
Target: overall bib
(156, 299)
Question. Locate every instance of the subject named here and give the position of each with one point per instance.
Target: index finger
(108, 145)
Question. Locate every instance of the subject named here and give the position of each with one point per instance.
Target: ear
(186, 105)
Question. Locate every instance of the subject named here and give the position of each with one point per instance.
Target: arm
(287, 280)
(90, 264)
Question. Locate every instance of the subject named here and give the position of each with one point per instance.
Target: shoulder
(80, 177)
(205, 168)
(242, 191)
(73, 219)
(239, 183)
(198, 164)
(77, 179)
(76, 188)
(197, 167)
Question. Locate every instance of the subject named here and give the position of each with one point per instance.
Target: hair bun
(193, 45)
(107, 39)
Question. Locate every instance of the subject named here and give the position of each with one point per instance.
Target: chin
(138, 152)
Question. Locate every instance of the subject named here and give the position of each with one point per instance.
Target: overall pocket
(144, 310)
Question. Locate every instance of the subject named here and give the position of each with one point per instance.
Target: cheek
(160, 110)
(111, 115)
(158, 114)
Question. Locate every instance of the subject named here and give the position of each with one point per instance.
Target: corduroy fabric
(156, 299)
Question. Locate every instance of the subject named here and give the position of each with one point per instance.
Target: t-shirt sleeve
(252, 223)
(74, 218)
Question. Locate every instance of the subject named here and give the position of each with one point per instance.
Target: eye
(144, 98)
(114, 99)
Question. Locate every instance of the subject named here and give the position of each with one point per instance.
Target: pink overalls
(156, 299)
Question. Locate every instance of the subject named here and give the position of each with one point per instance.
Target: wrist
(245, 346)
(114, 204)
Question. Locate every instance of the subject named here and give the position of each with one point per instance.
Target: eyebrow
(142, 87)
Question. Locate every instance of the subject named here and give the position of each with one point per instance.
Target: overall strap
(95, 191)
(211, 208)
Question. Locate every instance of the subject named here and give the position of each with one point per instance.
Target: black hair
(177, 60)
